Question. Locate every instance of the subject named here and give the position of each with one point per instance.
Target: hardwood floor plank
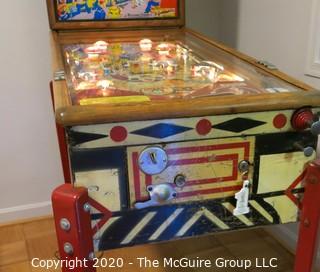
(12, 253)
(38, 229)
(16, 267)
(9, 234)
(189, 246)
(43, 247)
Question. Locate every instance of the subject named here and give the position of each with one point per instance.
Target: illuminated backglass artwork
(102, 10)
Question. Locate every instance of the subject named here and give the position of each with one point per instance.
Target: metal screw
(68, 248)
(65, 224)
(87, 207)
(313, 179)
(306, 223)
(244, 166)
(180, 181)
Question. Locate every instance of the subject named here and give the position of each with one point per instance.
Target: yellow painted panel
(279, 171)
(211, 174)
(199, 171)
(103, 187)
(286, 209)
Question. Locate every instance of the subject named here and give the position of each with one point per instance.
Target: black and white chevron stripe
(178, 221)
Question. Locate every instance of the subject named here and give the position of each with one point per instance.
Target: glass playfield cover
(133, 72)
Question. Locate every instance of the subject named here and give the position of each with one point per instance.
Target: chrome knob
(315, 128)
(307, 151)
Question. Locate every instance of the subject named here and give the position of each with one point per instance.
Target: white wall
(217, 19)
(277, 31)
(29, 159)
(204, 15)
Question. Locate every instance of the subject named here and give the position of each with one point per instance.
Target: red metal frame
(69, 203)
(63, 146)
(310, 219)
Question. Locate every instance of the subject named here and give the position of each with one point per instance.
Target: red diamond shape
(106, 214)
(289, 193)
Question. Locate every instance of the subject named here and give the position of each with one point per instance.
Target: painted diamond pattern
(239, 125)
(161, 130)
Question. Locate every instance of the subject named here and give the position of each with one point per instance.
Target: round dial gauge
(153, 160)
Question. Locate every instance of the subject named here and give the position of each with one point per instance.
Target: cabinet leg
(309, 220)
(73, 227)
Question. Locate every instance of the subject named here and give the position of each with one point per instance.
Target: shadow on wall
(217, 19)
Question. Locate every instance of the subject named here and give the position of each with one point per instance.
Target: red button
(118, 134)
(280, 121)
(204, 127)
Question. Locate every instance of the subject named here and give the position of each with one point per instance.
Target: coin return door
(189, 171)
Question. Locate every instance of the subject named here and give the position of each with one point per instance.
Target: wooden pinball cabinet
(166, 134)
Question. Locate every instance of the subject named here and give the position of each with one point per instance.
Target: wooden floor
(20, 243)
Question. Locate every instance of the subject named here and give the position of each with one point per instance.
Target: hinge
(59, 75)
(267, 64)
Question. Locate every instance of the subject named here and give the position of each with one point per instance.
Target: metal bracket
(267, 64)
(59, 75)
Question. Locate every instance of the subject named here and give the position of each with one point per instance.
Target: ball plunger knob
(304, 119)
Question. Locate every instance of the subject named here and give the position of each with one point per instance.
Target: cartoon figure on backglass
(114, 12)
(100, 13)
(151, 4)
(78, 10)
(136, 3)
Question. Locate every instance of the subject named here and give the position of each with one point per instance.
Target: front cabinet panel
(210, 169)
(205, 203)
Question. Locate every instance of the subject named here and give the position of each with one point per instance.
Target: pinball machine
(165, 134)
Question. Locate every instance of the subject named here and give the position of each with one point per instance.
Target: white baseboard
(25, 211)
(289, 238)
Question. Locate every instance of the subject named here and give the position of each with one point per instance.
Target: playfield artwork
(97, 10)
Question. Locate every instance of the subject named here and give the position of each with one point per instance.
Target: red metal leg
(310, 219)
(73, 228)
(63, 146)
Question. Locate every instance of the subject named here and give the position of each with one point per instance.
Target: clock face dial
(153, 160)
